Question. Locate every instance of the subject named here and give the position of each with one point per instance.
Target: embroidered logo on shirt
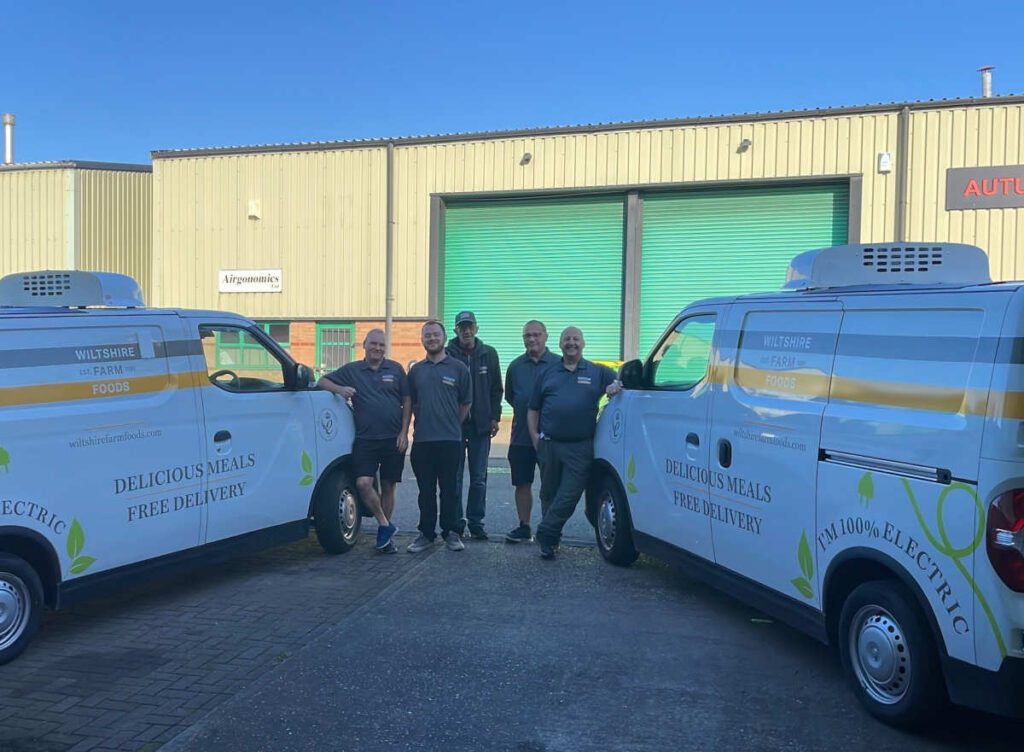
(449, 380)
(582, 379)
(387, 378)
(483, 369)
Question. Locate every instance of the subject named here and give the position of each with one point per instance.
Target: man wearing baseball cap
(484, 415)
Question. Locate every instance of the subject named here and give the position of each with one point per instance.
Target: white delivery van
(133, 440)
(847, 455)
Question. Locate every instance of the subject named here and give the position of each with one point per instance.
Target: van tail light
(1004, 538)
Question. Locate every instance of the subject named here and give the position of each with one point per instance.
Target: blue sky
(110, 81)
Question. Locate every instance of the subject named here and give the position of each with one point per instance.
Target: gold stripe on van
(806, 385)
(42, 394)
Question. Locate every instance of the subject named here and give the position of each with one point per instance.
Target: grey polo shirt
(567, 400)
(519, 381)
(437, 390)
(377, 403)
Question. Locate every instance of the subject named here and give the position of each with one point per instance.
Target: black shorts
(369, 454)
(523, 462)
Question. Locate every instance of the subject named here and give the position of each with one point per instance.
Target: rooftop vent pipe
(8, 138)
(986, 80)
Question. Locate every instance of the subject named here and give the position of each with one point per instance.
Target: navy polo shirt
(377, 404)
(437, 390)
(567, 400)
(519, 381)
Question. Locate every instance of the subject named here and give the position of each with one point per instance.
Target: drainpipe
(8, 138)
(389, 249)
(902, 160)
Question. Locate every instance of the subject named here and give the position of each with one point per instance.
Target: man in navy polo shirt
(522, 457)
(562, 420)
(442, 392)
(382, 408)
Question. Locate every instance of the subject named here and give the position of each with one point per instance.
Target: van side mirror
(298, 376)
(631, 374)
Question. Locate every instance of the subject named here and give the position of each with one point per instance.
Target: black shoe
(519, 534)
(547, 551)
(478, 534)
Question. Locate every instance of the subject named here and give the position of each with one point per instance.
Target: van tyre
(614, 528)
(336, 515)
(888, 652)
(21, 606)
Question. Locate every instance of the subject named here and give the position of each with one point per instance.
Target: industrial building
(77, 215)
(610, 227)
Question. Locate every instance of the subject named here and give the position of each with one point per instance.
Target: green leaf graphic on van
(866, 489)
(5, 460)
(76, 539)
(75, 544)
(630, 474)
(307, 469)
(806, 562)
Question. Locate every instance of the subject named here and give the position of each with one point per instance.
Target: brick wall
(303, 342)
(405, 339)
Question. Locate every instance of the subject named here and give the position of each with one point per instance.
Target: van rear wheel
(614, 528)
(21, 605)
(336, 515)
(888, 652)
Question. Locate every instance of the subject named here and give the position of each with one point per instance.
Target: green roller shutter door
(556, 260)
(729, 242)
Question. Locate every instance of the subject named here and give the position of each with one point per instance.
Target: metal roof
(366, 143)
(76, 165)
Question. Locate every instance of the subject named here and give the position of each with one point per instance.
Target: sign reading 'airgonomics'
(249, 280)
(985, 187)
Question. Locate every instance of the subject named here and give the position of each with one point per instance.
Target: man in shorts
(379, 391)
(522, 457)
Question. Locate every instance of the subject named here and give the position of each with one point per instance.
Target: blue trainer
(385, 534)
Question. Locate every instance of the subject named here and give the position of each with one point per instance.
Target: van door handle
(693, 439)
(724, 452)
(221, 436)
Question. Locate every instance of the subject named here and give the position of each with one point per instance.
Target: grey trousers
(564, 468)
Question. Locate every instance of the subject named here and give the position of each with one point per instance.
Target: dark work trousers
(435, 464)
(478, 447)
(564, 468)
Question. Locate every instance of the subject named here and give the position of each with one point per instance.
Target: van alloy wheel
(606, 520)
(880, 655)
(15, 608)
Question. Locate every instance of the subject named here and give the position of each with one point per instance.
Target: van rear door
(766, 423)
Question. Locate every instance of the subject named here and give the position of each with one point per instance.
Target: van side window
(681, 361)
(237, 361)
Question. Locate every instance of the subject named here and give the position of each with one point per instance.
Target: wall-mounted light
(744, 145)
(526, 159)
(254, 211)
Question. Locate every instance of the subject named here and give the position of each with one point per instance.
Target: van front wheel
(21, 605)
(336, 516)
(888, 653)
(614, 528)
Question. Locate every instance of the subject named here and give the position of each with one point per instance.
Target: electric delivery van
(136, 439)
(848, 456)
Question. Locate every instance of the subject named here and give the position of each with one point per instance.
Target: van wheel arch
(341, 464)
(35, 550)
(855, 566)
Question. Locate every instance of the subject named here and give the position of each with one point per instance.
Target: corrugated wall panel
(116, 223)
(32, 221)
(322, 223)
(966, 137)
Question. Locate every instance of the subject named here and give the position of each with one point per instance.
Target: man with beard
(484, 415)
(522, 457)
(442, 392)
(381, 406)
(562, 420)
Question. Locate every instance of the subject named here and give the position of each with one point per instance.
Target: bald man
(562, 419)
(382, 408)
